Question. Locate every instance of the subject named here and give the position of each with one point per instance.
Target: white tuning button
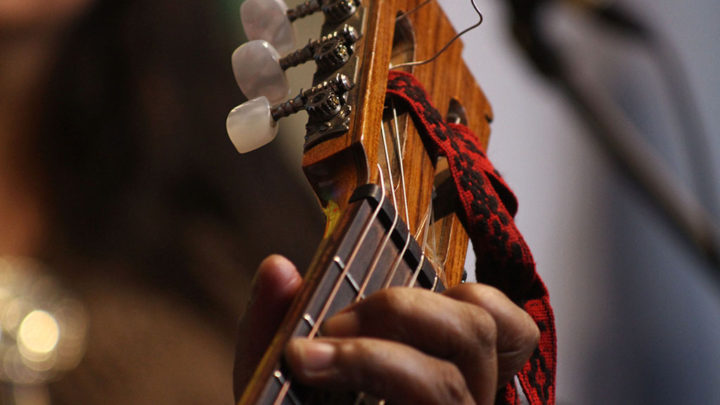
(251, 125)
(260, 71)
(268, 20)
(256, 65)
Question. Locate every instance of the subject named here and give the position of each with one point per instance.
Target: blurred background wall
(638, 321)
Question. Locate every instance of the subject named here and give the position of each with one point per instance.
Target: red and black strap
(503, 257)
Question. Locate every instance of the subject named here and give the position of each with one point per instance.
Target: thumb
(275, 285)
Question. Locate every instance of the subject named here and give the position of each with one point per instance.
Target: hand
(408, 346)
(276, 283)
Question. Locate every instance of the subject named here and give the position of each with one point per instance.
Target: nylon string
(386, 238)
(399, 154)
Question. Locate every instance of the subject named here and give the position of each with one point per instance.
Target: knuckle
(361, 361)
(526, 337)
(490, 294)
(393, 302)
(531, 337)
(482, 295)
(354, 348)
(452, 386)
(484, 328)
(351, 357)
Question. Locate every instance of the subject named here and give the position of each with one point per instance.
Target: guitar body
(389, 219)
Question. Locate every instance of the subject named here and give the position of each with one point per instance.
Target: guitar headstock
(336, 165)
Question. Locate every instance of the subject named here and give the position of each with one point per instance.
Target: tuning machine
(271, 20)
(253, 124)
(260, 71)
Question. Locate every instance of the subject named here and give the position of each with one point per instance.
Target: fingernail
(315, 355)
(342, 324)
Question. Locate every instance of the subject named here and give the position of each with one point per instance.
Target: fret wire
(388, 234)
(349, 276)
(309, 320)
(326, 307)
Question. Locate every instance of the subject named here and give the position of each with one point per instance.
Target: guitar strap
(488, 207)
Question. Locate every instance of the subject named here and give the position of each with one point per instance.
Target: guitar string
(401, 164)
(412, 11)
(366, 229)
(389, 276)
(435, 244)
(434, 247)
(381, 247)
(361, 395)
(425, 224)
(399, 154)
(444, 48)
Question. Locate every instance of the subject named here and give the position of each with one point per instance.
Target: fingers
(472, 332)
(274, 287)
(389, 370)
(517, 333)
(459, 332)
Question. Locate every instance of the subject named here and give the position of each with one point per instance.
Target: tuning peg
(268, 20)
(259, 70)
(271, 21)
(253, 124)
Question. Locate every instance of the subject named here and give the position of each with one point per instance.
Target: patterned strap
(488, 207)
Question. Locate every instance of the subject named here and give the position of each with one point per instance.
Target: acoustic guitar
(389, 203)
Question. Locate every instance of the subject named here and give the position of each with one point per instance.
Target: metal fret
(350, 279)
(285, 382)
(308, 318)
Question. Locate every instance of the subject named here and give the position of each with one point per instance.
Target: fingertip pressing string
(444, 48)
